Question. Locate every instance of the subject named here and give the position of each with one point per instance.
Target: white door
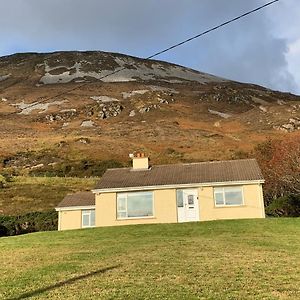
(188, 206)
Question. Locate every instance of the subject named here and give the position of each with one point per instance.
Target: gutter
(68, 208)
(172, 186)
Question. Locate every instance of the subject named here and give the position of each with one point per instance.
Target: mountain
(75, 106)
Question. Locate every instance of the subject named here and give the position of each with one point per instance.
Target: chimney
(139, 161)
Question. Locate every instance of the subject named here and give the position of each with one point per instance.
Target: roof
(78, 199)
(179, 174)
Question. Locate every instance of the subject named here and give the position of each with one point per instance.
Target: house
(147, 194)
(76, 211)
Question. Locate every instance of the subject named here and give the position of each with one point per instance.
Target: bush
(3, 231)
(2, 181)
(31, 222)
(287, 206)
(279, 161)
(83, 168)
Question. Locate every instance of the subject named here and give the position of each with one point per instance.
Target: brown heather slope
(170, 112)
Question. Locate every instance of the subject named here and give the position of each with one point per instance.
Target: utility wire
(212, 29)
(159, 52)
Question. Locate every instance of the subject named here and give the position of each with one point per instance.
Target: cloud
(293, 58)
(255, 49)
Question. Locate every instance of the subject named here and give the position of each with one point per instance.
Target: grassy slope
(241, 259)
(26, 194)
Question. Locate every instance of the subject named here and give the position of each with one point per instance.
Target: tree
(280, 163)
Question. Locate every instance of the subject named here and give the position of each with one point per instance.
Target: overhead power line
(161, 51)
(212, 29)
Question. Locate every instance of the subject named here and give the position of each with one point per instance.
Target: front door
(187, 205)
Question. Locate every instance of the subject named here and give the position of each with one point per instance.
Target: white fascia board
(75, 208)
(172, 186)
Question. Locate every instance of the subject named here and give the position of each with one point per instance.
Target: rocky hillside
(75, 106)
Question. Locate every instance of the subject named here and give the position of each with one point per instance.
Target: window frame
(125, 195)
(84, 213)
(221, 190)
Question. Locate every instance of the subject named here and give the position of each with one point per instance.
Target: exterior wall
(165, 210)
(253, 205)
(69, 219)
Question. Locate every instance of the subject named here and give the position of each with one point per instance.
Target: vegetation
(240, 259)
(280, 163)
(31, 222)
(51, 163)
(2, 181)
(82, 168)
(284, 206)
(22, 195)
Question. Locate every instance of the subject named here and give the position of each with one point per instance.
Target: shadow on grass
(62, 283)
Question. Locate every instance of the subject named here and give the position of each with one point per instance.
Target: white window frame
(219, 190)
(125, 195)
(87, 212)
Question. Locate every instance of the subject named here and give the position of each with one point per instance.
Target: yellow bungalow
(147, 194)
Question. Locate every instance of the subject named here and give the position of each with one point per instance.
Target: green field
(240, 259)
(26, 194)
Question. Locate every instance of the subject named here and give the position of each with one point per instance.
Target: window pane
(121, 204)
(179, 196)
(219, 199)
(121, 214)
(92, 218)
(233, 196)
(191, 199)
(139, 204)
(85, 220)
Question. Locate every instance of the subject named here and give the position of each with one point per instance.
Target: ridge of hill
(63, 107)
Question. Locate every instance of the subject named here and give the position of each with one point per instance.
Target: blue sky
(263, 48)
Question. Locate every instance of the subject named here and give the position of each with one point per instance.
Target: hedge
(30, 222)
(287, 206)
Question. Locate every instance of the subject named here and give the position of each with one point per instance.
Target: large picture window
(228, 196)
(88, 218)
(134, 205)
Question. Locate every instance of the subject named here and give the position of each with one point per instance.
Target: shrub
(83, 168)
(3, 230)
(31, 222)
(280, 163)
(287, 206)
(2, 181)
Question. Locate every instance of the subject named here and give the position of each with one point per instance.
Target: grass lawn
(240, 259)
(27, 194)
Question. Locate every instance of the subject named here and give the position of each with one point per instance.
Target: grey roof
(203, 172)
(78, 199)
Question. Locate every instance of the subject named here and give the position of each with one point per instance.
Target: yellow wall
(165, 210)
(69, 219)
(252, 208)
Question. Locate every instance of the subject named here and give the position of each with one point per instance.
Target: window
(191, 199)
(228, 196)
(179, 197)
(88, 218)
(134, 205)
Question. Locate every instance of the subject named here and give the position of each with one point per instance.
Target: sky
(263, 48)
